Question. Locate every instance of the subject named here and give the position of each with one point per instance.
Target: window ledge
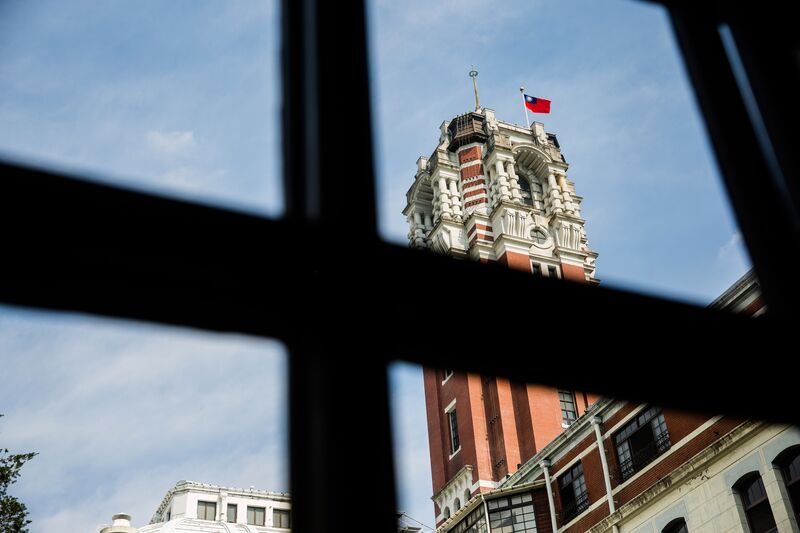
(455, 452)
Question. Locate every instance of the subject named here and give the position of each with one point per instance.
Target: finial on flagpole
(474, 75)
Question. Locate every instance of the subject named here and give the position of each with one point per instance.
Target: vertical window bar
(768, 227)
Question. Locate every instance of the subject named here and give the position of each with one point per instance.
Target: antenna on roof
(474, 75)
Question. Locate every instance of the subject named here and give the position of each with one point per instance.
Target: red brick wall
(516, 261)
(470, 154)
(573, 273)
(546, 414)
(522, 413)
(432, 407)
(541, 508)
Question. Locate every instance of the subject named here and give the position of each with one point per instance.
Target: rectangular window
(512, 514)
(641, 440)
(574, 496)
(281, 518)
(447, 374)
(475, 522)
(536, 269)
(568, 410)
(552, 271)
(207, 510)
(255, 516)
(232, 512)
(455, 444)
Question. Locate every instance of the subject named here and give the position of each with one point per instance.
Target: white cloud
(171, 143)
(120, 411)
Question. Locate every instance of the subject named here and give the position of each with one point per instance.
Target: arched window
(467, 496)
(755, 503)
(789, 463)
(676, 526)
(457, 504)
(525, 190)
(446, 513)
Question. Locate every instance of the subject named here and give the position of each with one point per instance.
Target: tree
(13, 513)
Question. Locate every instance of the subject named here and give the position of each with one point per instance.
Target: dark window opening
(756, 504)
(676, 526)
(455, 444)
(525, 191)
(642, 440)
(573, 492)
(789, 463)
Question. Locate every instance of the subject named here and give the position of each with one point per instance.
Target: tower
(494, 191)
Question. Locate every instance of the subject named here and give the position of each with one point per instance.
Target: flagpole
(522, 93)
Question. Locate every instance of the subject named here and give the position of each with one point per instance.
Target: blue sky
(181, 97)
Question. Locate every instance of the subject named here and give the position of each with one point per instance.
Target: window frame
(255, 509)
(742, 488)
(195, 266)
(637, 461)
(206, 505)
(565, 420)
(578, 503)
(235, 513)
(282, 512)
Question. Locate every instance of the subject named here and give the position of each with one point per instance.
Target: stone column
(502, 181)
(515, 190)
(553, 195)
(444, 199)
(455, 199)
(568, 205)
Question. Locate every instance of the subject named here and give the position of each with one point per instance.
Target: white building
(191, 507)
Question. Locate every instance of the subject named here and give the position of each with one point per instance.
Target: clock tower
(495, 191)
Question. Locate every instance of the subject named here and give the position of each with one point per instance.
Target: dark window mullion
(767, 221)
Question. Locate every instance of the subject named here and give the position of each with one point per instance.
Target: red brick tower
(495, 191)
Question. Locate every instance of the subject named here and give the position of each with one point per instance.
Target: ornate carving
(568, 235)
(517, 223)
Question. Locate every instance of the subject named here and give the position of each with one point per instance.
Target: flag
(537, 105)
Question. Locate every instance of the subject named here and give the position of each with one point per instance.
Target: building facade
(492, 191)
(637, 468)
(193, 507)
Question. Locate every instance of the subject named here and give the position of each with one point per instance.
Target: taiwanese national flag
(537, 105)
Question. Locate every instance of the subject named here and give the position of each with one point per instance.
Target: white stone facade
(491, 189)
(178, 511)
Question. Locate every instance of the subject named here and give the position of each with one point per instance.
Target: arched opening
(676, 526)
(753, 495)
(446, 513)
(457, 504)
(789, 463)
(467, 496)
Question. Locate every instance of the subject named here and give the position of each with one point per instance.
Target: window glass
(282, 518)
(232, 513)
(178, 97)
(641, 170)
(255, 516)
(206, 510)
